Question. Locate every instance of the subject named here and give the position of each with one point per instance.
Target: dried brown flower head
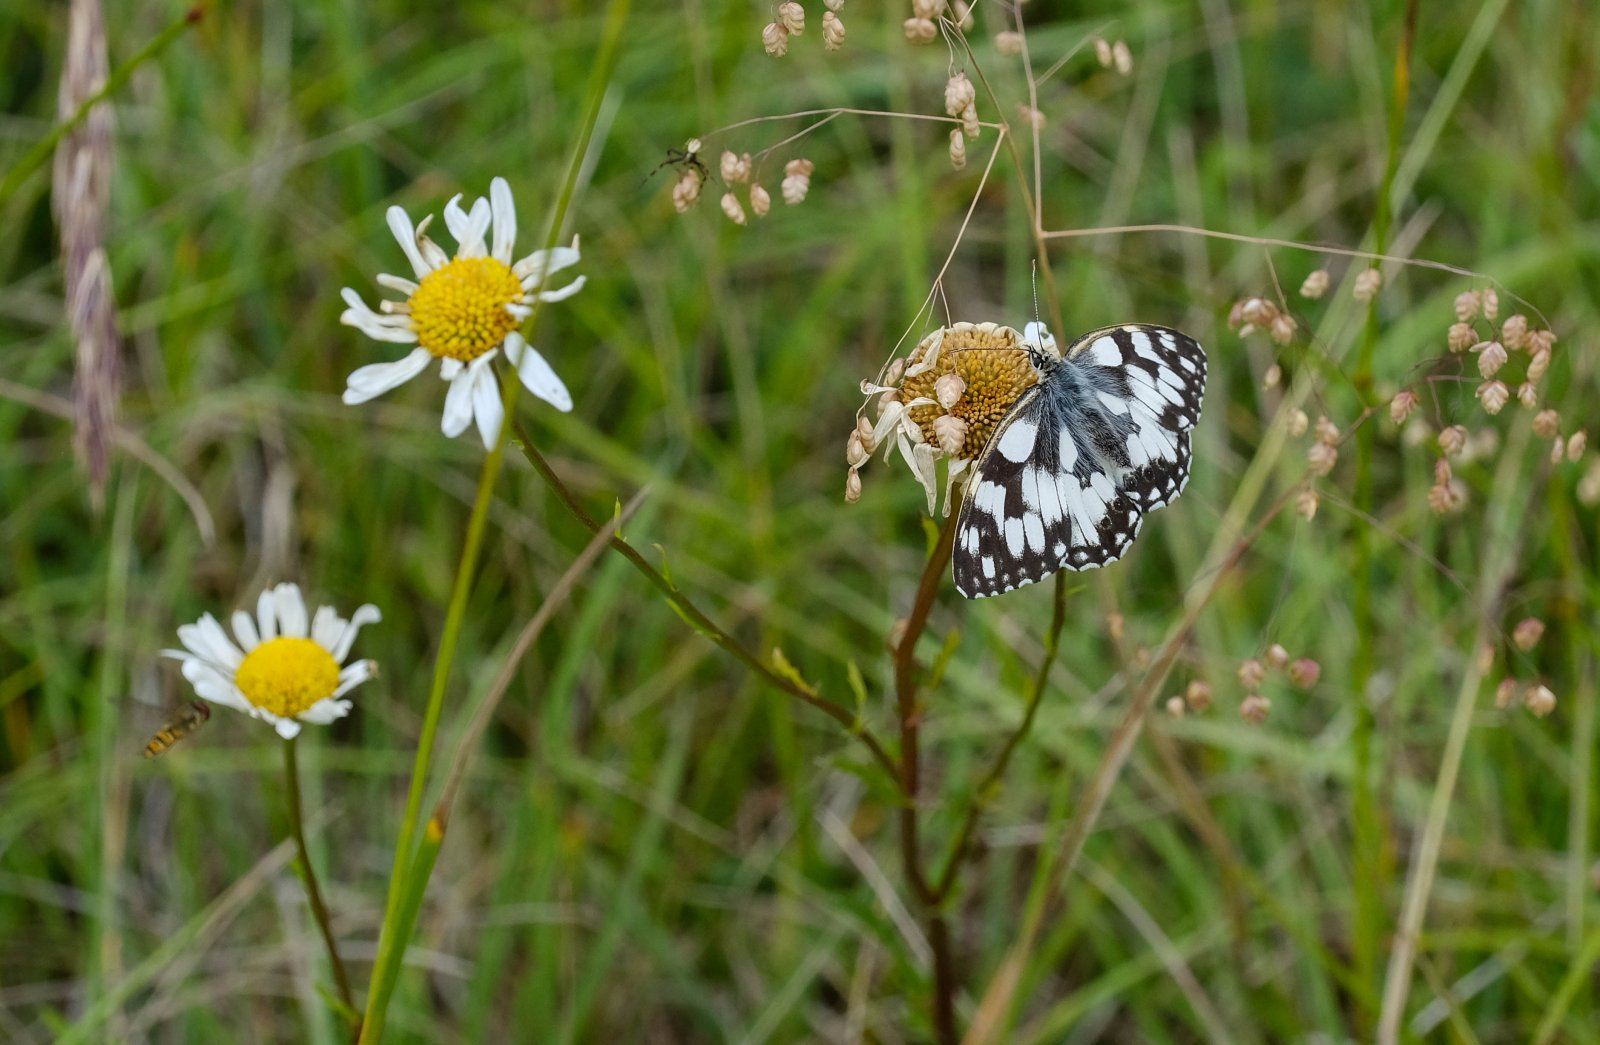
(959, 93)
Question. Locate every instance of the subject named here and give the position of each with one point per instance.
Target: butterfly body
(1067, 477)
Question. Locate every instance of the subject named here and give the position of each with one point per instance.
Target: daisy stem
(308, 875)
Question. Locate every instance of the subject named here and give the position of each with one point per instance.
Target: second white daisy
(462, 311)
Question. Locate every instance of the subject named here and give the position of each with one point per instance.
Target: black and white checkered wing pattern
(1066, 479)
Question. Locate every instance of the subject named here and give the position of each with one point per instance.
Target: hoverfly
(189, 718)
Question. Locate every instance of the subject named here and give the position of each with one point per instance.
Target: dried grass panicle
(80, 198)
(796, 180)
(1315, 285)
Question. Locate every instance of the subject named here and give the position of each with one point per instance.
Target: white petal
(355, 675)
(400, 283)
(326, 627)
(244, 626)
(287, 728)
(487, 409)
(455, 219)
(291, 611)
(220, 648)
(537, 375)
(364, 615)
(374, 379)
(562, 293)
(406, 233)
(538, 266)
(505, 219)
(458, 403)
(325, 711)
(449, 367)
(267, 614)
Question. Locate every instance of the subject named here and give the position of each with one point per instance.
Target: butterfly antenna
(1035, 271)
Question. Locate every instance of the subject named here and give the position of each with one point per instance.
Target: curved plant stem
(699, 621)
(308, 874)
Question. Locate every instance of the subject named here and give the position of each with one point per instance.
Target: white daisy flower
(462, 311)
(284, 668)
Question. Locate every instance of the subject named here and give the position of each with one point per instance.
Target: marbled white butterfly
(1066, 478)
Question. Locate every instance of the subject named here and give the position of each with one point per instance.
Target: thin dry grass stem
(830, 113)
(80, 198)
(129, 441)
(697, 618)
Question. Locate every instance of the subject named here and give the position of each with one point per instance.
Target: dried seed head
(1298, 423)
(1282, 328)
(760, 200)
(864, 430)
(1277, 656)
(1528, 394)
(962, 14)
(1558, 450)
(686, 190)
(1491, 357)
(1176, 707)
(732, 208)
(958, 148)
(1031, 116)
(796, 181)
(1514, 332)
(1321, 457)
(1527, 633)
(1491, 304)
(1446, 495)
(1121, 58)
(920, 30)
(969, 122)
(1462, 337)
(735, 168)
(1538, 363)
(852, 487)
(1305, 503)
(1315, 285)
(1367, 283)
(958, 93)
(1505, 694)
(927, 8)
(1251, 673)
(1008, 42)
(1272, 378)
(1546, 424)
(775, 39)
(1540, 341)
(1198, 695)
(793, 17)
(1575, 445)
(1115, 625)
(1102, 52)
(1305, 672)
(1453, 440)
(948, 389)
(1257, 312)
(1493, 395)
(1468, 306)
(1254, 708)
(1327, 431)
(832, 31)
(1401, 406)
(1539, 700)
(949, 433)
(834, 5)
(855, 449)
(1589, 486)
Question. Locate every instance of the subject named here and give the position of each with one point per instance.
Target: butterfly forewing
(1068, 475)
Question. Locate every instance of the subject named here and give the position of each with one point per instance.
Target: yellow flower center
(459, 309)
(995, 367)
(287, 675)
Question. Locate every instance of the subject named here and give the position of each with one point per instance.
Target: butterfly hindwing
(1069, 473)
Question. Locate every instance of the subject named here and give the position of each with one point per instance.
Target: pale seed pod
(927, 8)
(1453, 440)
(1305, 504)
(1528, 394)
(1176, 707)
(958, 93)
(1008, 43)
(1121, 58)
(864, 430)
(1321, 458)
(1401, 406)
(760, 200)
(920, 30)
(1539, 700)
(1491, 304)
(1462, 337)
(1305, 672)
(834, 5)
(1558, 450)
(1367, 284)
(852, 487)
(732, 208)
(1514, 332)
(1198, 695)
(1589, 485)
(1254, 708)
(1272, 378)
(958, 148)
(796, 181)
(1468, 305)
(1315, 285)
(949, 389)
(1446, 497)
(961, 13)
(950, 432)
(855, 449)
(686, 190)
(1102, 53)
(1298, 423)
(1282, 328)
(969, 122)
(1491, 357)
(1258, 312)
(1493, 395)
(896, 372)
(1031, 116)
(775, 39)
(1277, 656)
(793, 17)
(832, 31)
(735, 168)
(1540, 341)
(1546, 424)
(1576, 443)
(1538, 363)
(1251, 673)
(1327, 431)
(1527, 633)
(1505, 694)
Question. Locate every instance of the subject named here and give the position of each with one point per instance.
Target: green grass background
(648, 849)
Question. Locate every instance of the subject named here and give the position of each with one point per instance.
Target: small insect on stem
(687, 157)
(189, 718)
